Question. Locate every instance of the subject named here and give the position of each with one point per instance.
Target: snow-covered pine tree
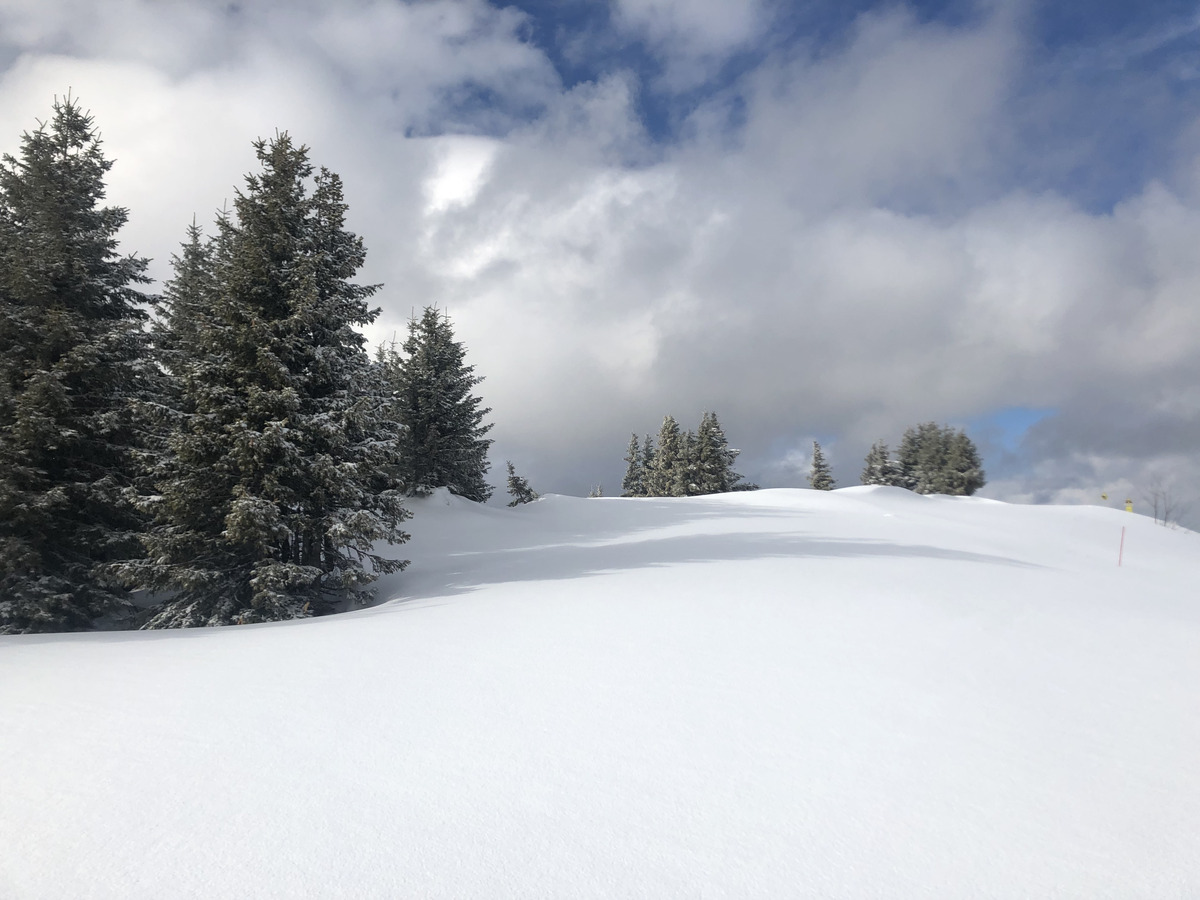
(880, 468)
(922, 458)
(876, 457)
(820, 476)
(649, 454)
(443, 443)
(518, 488)
(73, 359)
(271, 495)
(714, 458)
(668, 458)
(685, 473)
(185, 301)
(633, 484)
(964, 469)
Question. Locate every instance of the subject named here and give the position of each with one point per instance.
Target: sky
(823, 220)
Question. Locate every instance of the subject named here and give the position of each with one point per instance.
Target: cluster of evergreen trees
(682, 464)
(244, 455)
(932, 459)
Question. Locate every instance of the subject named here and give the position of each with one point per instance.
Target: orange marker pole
(1121, 554)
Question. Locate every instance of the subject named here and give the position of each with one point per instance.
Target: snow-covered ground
(867, 693)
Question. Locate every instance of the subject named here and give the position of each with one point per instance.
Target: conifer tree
(714, 458)
(649, 454)
(443, 443)
(965, 473)
(272, 491)
(880, 468)
(186, 299)
(73, 361)
(821, 476)
(684, 483)
(633, 484)
(668, 459)
(518, 488)
(922, 458)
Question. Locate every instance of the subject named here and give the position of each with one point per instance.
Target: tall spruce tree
(668, 459)
(649, 454)
(73, 359)
(821, 476)
(443, 443)
(271, 494)
(685, 472)
(965, 473)
(714, 458)
(922, 458)
(634, 482)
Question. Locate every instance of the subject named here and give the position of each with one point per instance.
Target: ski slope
(856, 694)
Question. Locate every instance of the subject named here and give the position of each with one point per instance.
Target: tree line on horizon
(682, 464)
(932, 459)
(239, 453)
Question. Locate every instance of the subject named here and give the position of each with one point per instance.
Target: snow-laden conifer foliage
(682, 464)
(714, 472)
(443, 443)
(820, 476)
(937, 459)
(649, 451)
(518, 488)
(72, 363)
(634, 482)
(272, 491)
(664, 476)
(880, 468)
(932, 459)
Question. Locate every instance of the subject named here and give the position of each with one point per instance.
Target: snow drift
(864, 693)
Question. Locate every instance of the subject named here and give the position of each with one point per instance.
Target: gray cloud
(855, 257)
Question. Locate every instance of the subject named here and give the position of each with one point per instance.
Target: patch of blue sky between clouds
(1096, 114)
(1006, 428)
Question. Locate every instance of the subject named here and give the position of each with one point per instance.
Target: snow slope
(865, 693)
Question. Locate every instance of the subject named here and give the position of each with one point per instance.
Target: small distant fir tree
(271, 492)
(932, 459)
(443, 441)
(74, 361)
(518, 488)
(681, 464)
(821, 476)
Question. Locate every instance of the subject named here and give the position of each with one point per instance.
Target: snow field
(863, 693)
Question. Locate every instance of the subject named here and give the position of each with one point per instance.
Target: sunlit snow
(864, 693)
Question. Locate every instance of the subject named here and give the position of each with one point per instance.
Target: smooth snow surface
(864, 693)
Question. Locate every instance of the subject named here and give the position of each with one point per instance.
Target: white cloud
(711, 25)
(692, 37)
